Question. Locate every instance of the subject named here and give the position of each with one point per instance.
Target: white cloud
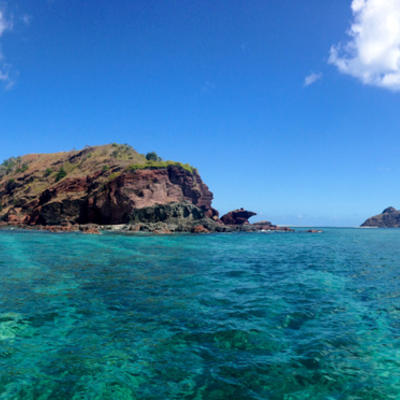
(372, 53)
(5, 76)
(5, 25)
(312, 78)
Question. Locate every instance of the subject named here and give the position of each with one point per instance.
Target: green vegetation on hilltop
(12, 164)
(55, 167)
(124, 152)
(162, 164)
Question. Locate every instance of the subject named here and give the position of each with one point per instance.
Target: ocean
(280, 316)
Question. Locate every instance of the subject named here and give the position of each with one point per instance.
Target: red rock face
(84, 200)
(237, 217)
(146, 188)
(17, 219)
(200, 229)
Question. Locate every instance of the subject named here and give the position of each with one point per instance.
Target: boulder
(200, 229)
(264, 225)
(237, 217)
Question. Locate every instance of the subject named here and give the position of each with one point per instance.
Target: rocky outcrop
(390, 218)
(238, 220)
(268, 226)
(98, 185)
(237, 217)
(175, 217)
(264, 225)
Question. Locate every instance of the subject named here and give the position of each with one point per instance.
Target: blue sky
(288, 108)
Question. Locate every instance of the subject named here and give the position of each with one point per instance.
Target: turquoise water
(226, 316)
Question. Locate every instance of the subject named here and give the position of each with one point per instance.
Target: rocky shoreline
(141, 228)
(172, 218)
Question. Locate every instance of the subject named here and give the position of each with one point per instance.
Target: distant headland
(112, 187)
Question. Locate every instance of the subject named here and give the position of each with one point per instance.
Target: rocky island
(389, 218)
(111, 187)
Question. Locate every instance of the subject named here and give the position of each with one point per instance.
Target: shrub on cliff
(114, 175)
(23, 168)
(48, 172)
(61, 174)
(152, 156)
(8, 165)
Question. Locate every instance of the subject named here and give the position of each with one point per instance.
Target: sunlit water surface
(226, 316)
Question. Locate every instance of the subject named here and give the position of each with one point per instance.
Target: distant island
(112, 187)
(389, 218)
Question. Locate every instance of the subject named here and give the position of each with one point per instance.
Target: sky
(287, 108)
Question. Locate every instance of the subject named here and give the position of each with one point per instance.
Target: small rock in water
(200, 229)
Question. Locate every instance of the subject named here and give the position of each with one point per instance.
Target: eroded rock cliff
(102, 185)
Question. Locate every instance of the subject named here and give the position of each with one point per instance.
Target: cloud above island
(372, 52)
(5, 25)
(312, 78)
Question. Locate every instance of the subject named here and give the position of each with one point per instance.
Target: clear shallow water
(227, 316)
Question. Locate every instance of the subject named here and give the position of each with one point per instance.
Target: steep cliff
(390, 218)
(102, 184)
